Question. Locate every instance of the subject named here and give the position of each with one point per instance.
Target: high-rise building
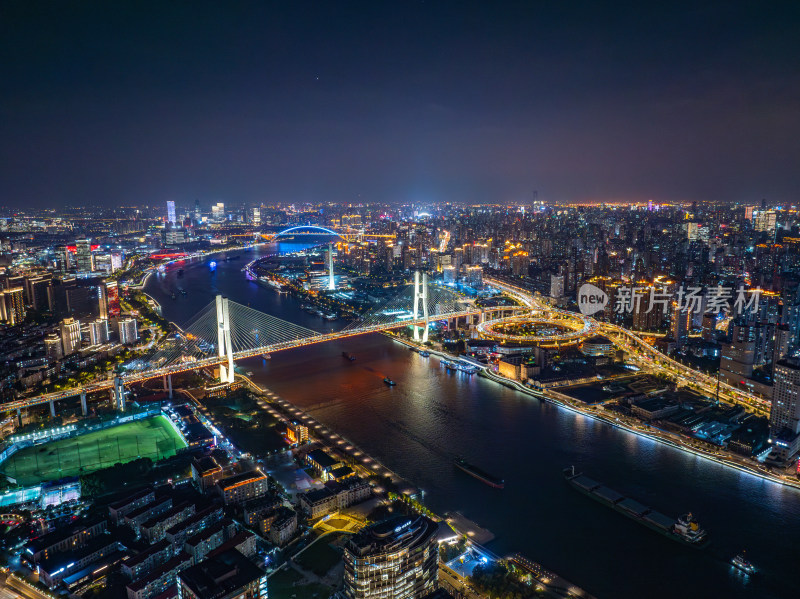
(70, 335)
(84, 261)
(218, 212)
(394, 559)
(680, 324)
(783, 340)
(52, 347)
(647, 317)
(12, 305)
(127, 331)
(171, 220)
(10, 281)
(784, 416)
(98, 332)
(112, 299)
(102, 263)
(475, 276)
(738, 358)
(458, 258)
(116, 261)
(765, 220)
(709, 327)
(38, 292)
(198, 215)
(556, 286)
(62, 258)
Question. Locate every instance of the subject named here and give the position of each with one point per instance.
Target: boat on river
(685, 529)
(744, 564)
(481, 475)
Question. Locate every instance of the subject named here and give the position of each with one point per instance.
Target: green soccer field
(152, 438)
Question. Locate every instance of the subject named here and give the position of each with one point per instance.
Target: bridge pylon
(224, 345)
(119, 393)
(421, 293)
(331, 282)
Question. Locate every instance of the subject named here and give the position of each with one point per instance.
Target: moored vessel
(459, 366)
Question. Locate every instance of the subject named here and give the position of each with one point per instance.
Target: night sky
(113, 104)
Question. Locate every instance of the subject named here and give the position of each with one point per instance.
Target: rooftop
(154, 575)
(322, 458)
(392, 535)
(240, 479)
(220, 575)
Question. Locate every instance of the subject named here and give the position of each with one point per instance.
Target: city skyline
(413, 103)
(368, 300)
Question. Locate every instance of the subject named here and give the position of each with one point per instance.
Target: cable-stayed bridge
(226, 331)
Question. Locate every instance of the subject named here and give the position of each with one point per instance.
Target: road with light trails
(645, 353)
(8, 593)
(648, 356)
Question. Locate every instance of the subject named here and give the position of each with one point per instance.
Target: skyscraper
(557, 286)
(680, 324)
(171, 213)
(765, 220)
(12, 309)
(52, 347)
(112, 299)
(98, 332)
(128, 333)
(394, 559)
(70, 335)
(84, 260)
(784, 417)
(737, 358)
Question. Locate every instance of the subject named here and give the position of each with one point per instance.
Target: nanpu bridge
(226, 331)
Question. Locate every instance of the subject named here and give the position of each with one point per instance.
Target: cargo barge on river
(481, 475)
(684, 530)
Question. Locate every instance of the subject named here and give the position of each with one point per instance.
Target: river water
(418, 426)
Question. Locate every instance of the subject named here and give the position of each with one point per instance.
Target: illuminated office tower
(784, 415)
(171, 213)
(84, 261)
(394, 559)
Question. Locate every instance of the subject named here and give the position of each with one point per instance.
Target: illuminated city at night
(422, 300)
